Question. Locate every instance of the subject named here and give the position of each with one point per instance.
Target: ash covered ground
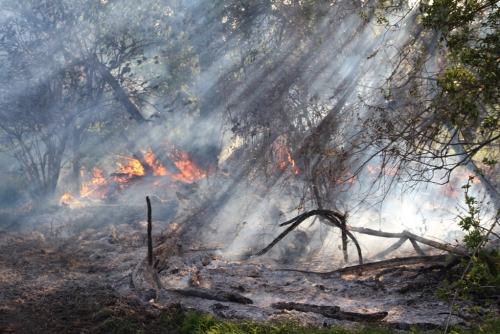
(59, 272)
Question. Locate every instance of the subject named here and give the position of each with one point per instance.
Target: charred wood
(453, 263)
(377, 265)
(221, 296)
(415, 286)
(333, 312)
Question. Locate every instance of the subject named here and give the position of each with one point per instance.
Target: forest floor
(62, 278)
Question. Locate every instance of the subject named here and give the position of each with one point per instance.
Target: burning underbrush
(146, 172)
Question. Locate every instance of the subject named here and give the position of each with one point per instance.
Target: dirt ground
(58, 277)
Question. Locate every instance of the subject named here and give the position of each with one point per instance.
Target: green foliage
(195, 323)
(469, 85)
(481, 273)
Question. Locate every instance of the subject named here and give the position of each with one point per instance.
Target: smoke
(272, 100)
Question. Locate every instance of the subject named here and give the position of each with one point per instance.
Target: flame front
(99, 187)
(153, 162)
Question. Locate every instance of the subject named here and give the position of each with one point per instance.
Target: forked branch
(334, 218)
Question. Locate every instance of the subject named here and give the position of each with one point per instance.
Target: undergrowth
(476, 292)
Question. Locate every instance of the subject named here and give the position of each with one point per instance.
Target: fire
(99, 186)
(96, 186)
(66, 197)
(284, 157)
(295, 169)
(391, 171)
(189, 172)
(450, 190)
(131, 169)
(348, 178)
(152, 161)
(460, 178)
(464, 176)
(373, 170)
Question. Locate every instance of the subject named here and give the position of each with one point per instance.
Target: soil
(58, 277)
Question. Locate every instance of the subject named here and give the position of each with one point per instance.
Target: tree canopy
(334, 86)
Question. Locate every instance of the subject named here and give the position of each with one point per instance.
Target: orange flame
(96, 186)
(152, 161)
(284, 157)
(131, 169)
(189, 172)
(66, 197)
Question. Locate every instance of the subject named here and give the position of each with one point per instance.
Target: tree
(63, 63)
(447, 110)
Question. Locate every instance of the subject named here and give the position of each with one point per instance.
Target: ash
(42, 258)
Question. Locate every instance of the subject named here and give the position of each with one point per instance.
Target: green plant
(480, 278)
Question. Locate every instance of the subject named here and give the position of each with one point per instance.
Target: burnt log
(333, 312)
(376, 265)
(221, 296)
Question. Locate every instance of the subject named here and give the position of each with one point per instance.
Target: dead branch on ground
(333, 312)
(376, 265)
(408, 235)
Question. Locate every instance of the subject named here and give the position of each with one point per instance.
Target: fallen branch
(221, 296)
(417, 247)
(333, 312)
(411, 236)
(391, 249)
(415, 286)
(376, 265)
